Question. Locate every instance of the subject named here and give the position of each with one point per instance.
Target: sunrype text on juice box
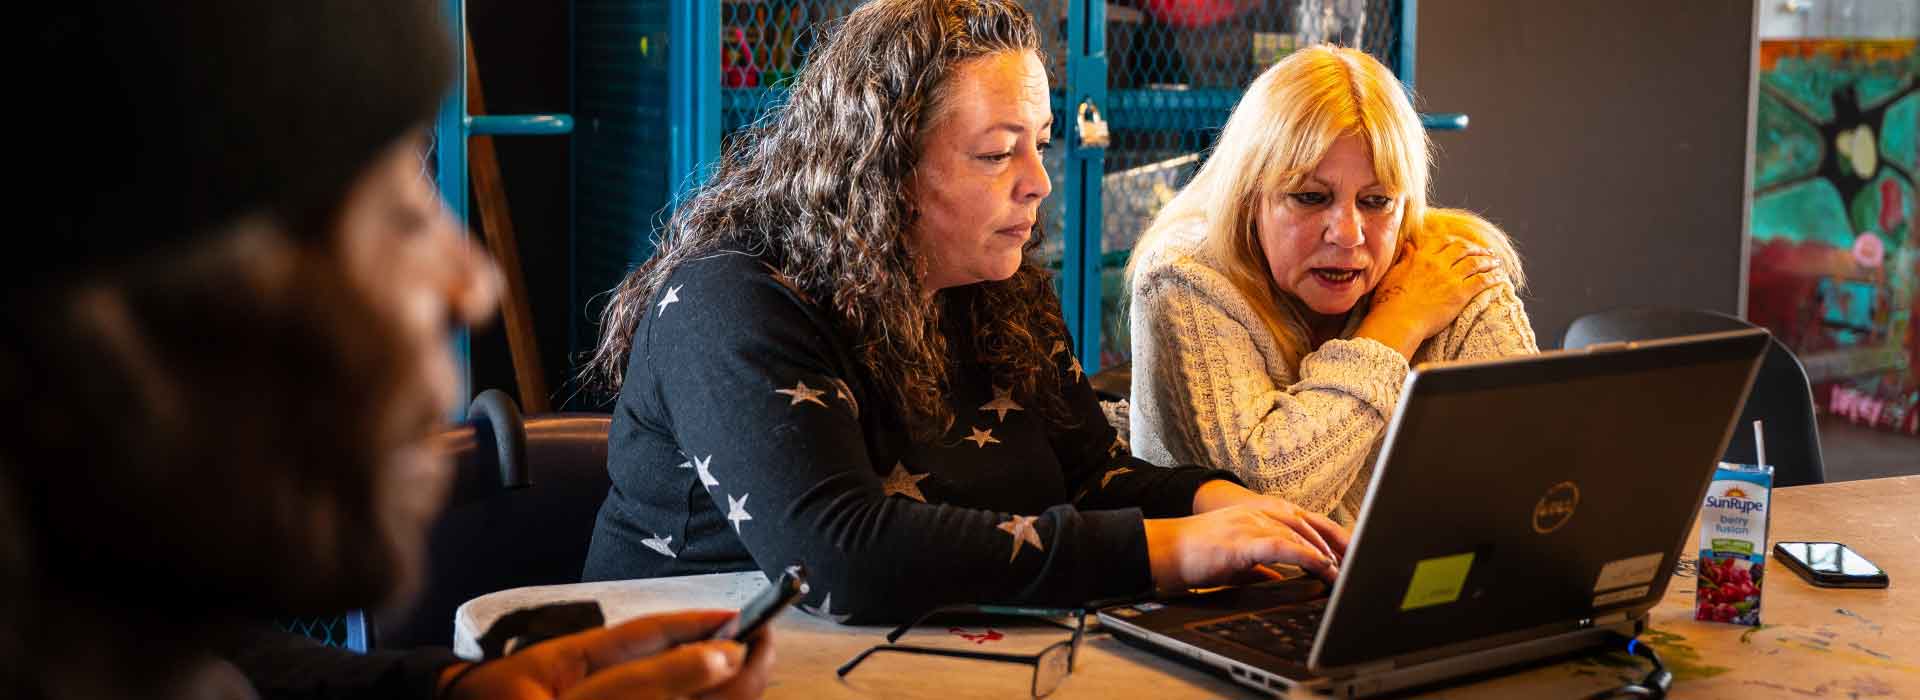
(1733, 544)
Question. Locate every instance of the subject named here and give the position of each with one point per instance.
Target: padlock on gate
(1093, 129)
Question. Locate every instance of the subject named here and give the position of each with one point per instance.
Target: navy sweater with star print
(742, 439)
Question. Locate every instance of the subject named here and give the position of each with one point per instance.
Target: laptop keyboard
(1286, 633)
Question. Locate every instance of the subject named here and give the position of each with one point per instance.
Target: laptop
(1521, 509)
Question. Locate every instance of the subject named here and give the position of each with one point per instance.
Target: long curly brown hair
(819, 189)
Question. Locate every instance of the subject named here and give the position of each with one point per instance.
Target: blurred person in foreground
(228, 360)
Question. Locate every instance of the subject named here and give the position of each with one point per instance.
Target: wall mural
(1834, 260)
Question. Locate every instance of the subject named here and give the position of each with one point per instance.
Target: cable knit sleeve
(1210, 387)
(1493, 325)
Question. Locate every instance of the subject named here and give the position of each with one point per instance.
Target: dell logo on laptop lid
(1556, 507)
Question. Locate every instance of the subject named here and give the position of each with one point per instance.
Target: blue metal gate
(1163, 74)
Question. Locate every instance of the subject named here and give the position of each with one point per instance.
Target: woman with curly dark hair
(841, 355)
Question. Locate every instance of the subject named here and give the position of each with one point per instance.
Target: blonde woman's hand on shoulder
(1425, 290)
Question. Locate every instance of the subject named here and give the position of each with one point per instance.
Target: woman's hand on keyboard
(1237, 531)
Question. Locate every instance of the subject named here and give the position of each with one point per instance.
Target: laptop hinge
(1613, 618)
(1365, 670)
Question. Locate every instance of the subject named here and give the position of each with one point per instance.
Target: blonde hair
(1278, 133)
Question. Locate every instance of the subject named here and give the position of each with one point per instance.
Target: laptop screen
(1528, 493)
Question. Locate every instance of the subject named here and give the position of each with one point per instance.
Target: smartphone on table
(1830, 564)
(757, 613)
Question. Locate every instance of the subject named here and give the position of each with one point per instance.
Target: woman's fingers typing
(1288, 549)
(1291, 519)
(1335, 535)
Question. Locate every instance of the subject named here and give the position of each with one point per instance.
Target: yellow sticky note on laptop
(1437, 580)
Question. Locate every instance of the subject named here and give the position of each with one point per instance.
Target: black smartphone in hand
(1829, 564)
(785, 590)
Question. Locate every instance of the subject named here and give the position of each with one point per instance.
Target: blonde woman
(1279, 299)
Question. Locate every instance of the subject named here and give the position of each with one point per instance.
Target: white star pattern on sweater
(663, 545)
(672, 296)
(737, 511)
(1021, 528)
(901, 482)
(825, 610)
(1001, 403)
(1109, 476)
(980, 438)
(801, 394)
(706, 476)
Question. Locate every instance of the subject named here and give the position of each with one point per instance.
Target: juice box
(1733, 544)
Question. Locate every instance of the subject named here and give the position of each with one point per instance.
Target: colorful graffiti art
(1835, 265)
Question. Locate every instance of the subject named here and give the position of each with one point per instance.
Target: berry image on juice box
(1733, 544)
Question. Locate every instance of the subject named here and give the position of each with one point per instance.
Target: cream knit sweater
(1210, 387)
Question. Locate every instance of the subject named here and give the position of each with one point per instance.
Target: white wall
(1839, 19)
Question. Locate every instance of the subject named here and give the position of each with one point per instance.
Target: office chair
(522, 510)
(1781, 397)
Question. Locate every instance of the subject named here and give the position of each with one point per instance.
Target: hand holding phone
(770, 602)
(1829, 564)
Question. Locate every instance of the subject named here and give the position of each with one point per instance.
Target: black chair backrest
(1782, 397)
(508, 525)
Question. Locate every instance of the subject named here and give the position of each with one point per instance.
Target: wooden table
(1817, 643)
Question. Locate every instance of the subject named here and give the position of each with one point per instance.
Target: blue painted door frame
(451, 128)
(1080, 261)
(693, 93)
(450, 169)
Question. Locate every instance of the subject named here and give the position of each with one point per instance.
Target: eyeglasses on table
(1050, 666)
